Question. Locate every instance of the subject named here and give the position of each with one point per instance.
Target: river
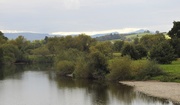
(38, 85)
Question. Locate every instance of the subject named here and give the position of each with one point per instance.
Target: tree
(105, 48)
(118, 45)
(162, 53)
(83, 42)
(54, 44)
(157, 32)
(136, 40)
(175, 30)
(174, 33)
(83, 68)
(1, 55)
(120, 69)
(2, 36)
(148, 41)
(142, 51)
(21, 43)
(129, 49)
(98, 65)
(3, 39)
(175, 42)
(10, 53)
(43, 51)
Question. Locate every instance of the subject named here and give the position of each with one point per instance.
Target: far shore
(165, 90)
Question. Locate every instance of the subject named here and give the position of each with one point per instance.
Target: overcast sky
(50, 16)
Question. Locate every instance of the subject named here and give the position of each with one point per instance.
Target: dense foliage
(175, 30)
(174, 33)
(84, 57)
(111, 37)
(162, 53)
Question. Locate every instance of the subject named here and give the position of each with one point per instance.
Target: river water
(38, 85)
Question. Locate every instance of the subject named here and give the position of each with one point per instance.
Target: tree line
(84, 57)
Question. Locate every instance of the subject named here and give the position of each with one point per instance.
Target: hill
(128, 37)
(28, 36)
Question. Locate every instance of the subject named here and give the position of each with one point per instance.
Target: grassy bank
(172, 72)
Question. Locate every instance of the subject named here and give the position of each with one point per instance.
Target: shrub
(120, 69)
(142, 52)
(162, 53)
(65, 67)
(98, 65)
(129, 49)
(82, 69)
(148, 70)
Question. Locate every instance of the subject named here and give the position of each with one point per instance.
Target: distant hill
(125, 34)
(28, 36)
(99, 36)
(111, 36)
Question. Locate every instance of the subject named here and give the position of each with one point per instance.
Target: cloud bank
(125, 30)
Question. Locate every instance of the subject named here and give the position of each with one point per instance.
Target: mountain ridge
(39, 36)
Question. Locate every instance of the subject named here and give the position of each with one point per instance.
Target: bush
(65, 67)
(147, 70)
(162, 53)
(98, 65)
(129, 49)
(142, 52)
(82, 69)
(120, 69)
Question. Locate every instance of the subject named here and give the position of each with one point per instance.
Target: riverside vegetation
(149, 57)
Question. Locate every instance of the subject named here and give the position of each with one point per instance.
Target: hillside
(28, 36)
(129, 36)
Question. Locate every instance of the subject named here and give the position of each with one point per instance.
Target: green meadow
(172, 72)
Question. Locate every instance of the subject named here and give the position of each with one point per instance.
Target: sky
(67, 16)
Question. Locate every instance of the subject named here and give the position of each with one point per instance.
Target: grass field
(173, 68)
(139, 35)
(172, 71)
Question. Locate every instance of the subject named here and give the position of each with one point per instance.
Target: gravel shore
(166, 90)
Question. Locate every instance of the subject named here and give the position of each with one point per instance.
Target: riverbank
(166, 90)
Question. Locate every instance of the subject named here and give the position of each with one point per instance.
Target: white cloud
(14, 31)
(71, 4)
(125, 30)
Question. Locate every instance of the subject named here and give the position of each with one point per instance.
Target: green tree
(10, 53)
(175, 42)
(3, 39)
(142, 51)
(21, 43)
(42, 51)
(98, 65)
(2, 36)
(136, 40)
(83, 68)
(120, 69)
(148, 41)
(55, 44)
(162, 53)
(64, 67)
(175, 30)
(129, 49)
(117, 46)
(83, 42)
(105, 48)
(1, 55)
(174, 33)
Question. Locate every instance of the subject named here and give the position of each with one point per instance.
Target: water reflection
(6, 70)
(10, 70)
(106, 93)
(38, 85)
